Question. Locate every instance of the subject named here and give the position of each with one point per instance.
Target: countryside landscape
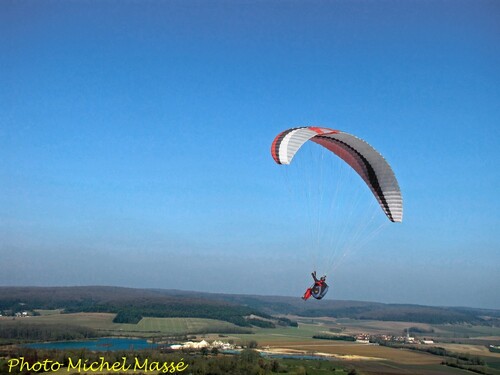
(340, 337)
(249, 187)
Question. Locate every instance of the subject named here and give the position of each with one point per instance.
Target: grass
(179, 326)
(92, 320)
(48, 312)
(266, 336)
(459, 330)
(147, 327)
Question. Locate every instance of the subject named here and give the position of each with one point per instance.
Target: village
(361, 338)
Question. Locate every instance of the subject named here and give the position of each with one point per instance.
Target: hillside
(131, 305)
(278, 305)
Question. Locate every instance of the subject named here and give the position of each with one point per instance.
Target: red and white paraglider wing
(363, 158)
(287, 143)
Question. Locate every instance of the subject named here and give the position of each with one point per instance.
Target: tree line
(15, 333)
(129, 305)
(248, 362)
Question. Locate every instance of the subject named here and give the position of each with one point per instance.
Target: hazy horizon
(239, 294)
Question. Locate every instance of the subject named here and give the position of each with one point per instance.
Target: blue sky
(135, 136)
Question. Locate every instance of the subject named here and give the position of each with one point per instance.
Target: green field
(179, 326)
(147, 327)
(268, 336)
(48, 312)
(465, 330)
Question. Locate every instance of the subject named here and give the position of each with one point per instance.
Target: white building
(196, 345)
(203, 344)
(222, 345)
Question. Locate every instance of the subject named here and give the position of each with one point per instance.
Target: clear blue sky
(135, 136)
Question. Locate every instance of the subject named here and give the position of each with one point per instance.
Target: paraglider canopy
(368, 163)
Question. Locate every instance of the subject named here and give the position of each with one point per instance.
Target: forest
(131, 305)
(248, 362)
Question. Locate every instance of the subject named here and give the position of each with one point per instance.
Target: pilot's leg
(307, 294)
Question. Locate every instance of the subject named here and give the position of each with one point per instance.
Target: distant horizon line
(238, 294)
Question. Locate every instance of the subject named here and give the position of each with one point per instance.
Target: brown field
(479, 350)
(374, 352)
(391, 368)
(372, 326)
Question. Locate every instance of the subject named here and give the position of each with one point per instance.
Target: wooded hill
(278, 305)
(131, 305)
